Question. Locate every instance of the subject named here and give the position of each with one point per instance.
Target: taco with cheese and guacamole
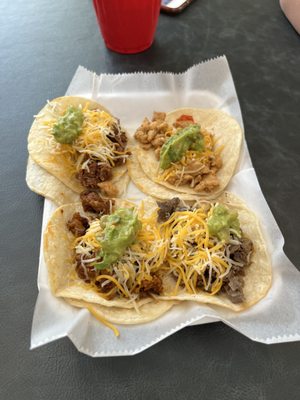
(80, 144)
(130, 256)
(190, 151)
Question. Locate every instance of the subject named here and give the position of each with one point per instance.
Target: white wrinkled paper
(131, 97)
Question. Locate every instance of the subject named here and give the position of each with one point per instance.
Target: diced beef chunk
(95, 173)
(78, 224)
(239, 253)
(93, 202)
(234, 288)
(234, 281)
(166, 209)
(154, 285)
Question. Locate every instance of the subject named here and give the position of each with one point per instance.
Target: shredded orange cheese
(180, 247)
(178, 169)
(93, 141)
(100, 318)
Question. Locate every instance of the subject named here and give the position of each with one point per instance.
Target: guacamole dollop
(189, 138)
(120, 230)
(221, 221)
(68, 126)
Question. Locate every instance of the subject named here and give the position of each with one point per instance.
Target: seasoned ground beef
(94, 174)
(78, 224)
(166, 209)
(154, 286)
(93, 202)
(234, 281)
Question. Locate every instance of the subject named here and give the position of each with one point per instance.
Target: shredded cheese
(175, 174)
(93, 141)
(180, 247)
(100, 318)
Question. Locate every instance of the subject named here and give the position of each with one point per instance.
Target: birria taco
(190, 151)
(79, 143)
(132, 256)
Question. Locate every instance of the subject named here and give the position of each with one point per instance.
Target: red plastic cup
(127, 26)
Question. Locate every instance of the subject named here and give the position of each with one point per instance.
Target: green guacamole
(69, 126)
(189, 138)
(221, 221)
(120, 230)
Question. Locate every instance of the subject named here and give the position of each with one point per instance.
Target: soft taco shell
(58, 257)
(227, 133)
(40, 147)
(258, 276)
(146, 313)
(43, 183)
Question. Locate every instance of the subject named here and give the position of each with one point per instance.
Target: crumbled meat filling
(78, 224)
(240, 253)
(95, 173)
(207, 183)
(166, 209)
(154, 285)
(198, 173)
(93, 202)
(153, 134)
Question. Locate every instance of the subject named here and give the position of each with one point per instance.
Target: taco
(217, 253)
(73, 274)
(208, 252)
(81, 144)
(191, 151)
(76, 268)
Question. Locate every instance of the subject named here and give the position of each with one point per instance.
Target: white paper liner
(131, 97)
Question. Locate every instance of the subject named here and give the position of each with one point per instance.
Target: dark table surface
(41, 44)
